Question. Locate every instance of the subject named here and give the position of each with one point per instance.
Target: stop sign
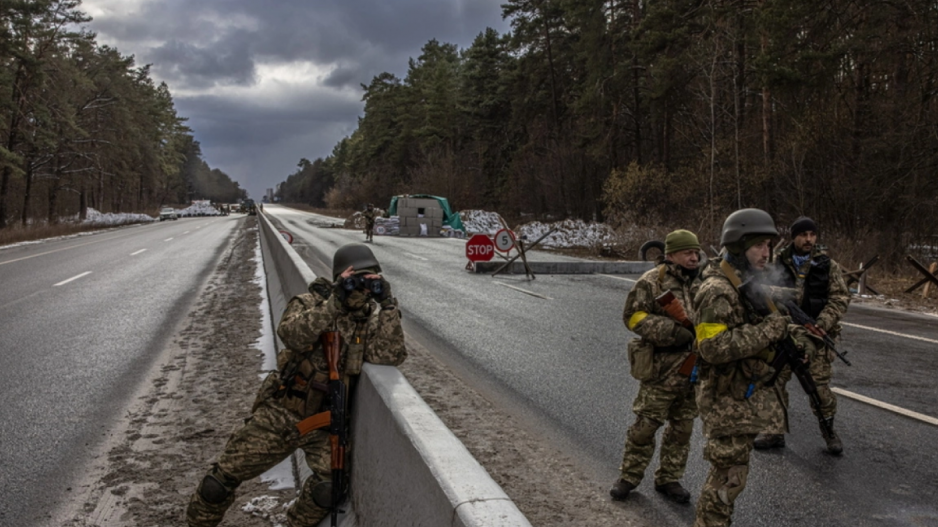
(480, 248)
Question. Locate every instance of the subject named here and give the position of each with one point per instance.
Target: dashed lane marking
(187, 232)
(417, 257)
(886, 406)
(894, 333)
(525, 291)
(167, 239)
(617, 277)
(63, 282)
(138, 252)
(65, 248)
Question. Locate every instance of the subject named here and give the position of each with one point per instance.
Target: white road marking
(167, 239)
(886, 406)
(525, 291)
(63, 282)
(894, 333)
(138, 252)
(187, 232)
(65, 248)
(617, 277)
(417, 257)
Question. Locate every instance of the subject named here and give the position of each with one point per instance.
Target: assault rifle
(786, 353)
(675, 310)
(335, 419)
(800, 317)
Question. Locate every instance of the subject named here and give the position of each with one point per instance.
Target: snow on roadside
(480, 221)
(281, 475)
(569, 233)
(110, 218)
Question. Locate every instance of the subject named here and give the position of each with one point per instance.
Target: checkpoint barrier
(408, 467)
(566, 267)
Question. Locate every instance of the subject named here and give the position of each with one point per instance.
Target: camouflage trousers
(268, 437)
(729, 469)
(821, 369)
(653, 407)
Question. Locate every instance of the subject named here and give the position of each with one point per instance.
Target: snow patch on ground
(569, 233)
(99, 218)
(280, 476)
(480, 221)
(267, 507)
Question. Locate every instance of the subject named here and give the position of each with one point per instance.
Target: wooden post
(931, 269)
(861, 285)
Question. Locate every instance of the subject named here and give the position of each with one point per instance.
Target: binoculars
(374, 286)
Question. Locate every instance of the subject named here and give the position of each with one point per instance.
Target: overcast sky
(267, 82)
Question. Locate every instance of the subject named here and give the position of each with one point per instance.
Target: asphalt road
(557, 361)
(82, 321)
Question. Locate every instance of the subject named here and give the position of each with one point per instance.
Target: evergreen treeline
(665, 112)
(82, 126)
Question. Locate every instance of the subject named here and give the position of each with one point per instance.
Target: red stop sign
(480, 248)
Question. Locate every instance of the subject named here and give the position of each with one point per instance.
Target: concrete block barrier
(517, 267)
(407, 467)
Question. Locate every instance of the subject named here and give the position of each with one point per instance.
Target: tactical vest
(815, 284)
(301, 384)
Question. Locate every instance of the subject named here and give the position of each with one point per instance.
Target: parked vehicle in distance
(168, 213)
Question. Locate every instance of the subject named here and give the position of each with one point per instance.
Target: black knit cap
(803, 224)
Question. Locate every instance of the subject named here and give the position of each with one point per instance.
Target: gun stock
(338, 437)
(675, 310)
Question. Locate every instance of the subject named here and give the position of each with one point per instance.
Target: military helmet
(744, 223)
(358, 255)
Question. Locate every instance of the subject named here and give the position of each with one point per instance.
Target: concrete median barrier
(408, 467)
(517, 267)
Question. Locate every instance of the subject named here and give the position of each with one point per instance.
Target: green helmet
(741, 225)
(358, 255)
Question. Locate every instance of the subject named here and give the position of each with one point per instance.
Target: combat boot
(834, 445)
(766, 441)
(620, 490)
(674, 492)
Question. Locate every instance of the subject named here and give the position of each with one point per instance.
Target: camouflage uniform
(827, 307)
(270, 435)
(729, 340)
(667, 396)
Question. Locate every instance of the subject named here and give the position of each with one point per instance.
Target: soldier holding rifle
(328, 333)
(659, 310)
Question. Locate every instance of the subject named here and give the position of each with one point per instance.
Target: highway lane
(82, 321)
(558, 362)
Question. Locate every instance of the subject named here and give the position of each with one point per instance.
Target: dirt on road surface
(202, 389)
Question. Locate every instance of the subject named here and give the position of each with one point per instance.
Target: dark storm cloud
(198, 43)
(212, 53)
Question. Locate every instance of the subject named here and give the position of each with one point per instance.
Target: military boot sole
(767, 443)
(677, 494)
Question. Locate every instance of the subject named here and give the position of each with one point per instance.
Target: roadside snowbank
(480, 221)
(569, 233)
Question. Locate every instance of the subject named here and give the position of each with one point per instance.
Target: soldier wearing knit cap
(663, 346)
(821, 292)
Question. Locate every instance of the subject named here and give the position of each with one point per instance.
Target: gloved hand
(682, 336)
(775, 327)
(385, 298)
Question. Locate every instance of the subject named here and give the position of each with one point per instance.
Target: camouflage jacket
(373, 335)
(817, 274)
(728, 338)
(370, 216)
(647, 319)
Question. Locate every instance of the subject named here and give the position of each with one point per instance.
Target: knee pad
(642, 431)
(734, 484)
(679, 431)
(213, 491)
